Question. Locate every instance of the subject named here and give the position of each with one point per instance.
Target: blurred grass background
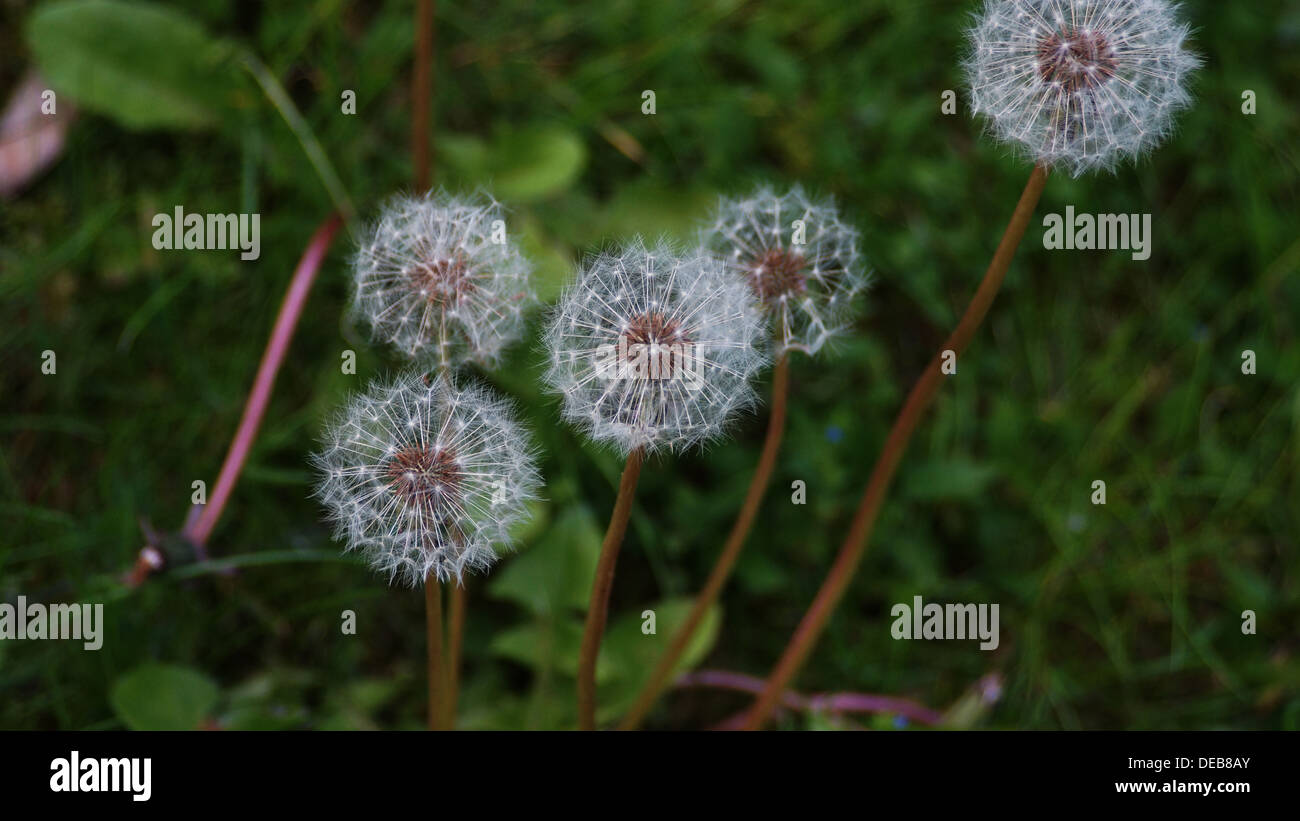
(1091, 366)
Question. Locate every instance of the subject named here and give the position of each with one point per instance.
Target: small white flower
(426, 478)
(799, 260)
(438, 279)
(654, 349)
(1079, 84)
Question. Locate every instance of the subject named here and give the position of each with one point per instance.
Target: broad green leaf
(545, 644)
(163, 697)
(524, 165)
(535, 163)
(632, 654)
(554, 575)
(652, 210)
(466, 154)
(144, 65)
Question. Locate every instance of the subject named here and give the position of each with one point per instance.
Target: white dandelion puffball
(798, 258)
(654, 349)
(1079, 84)
(437, 278)
(426, 478)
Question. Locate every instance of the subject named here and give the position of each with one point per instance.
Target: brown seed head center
(655, 329)
(658, 338)
(426, 477)
(1077, 59)
(441, 280)
(778, 273)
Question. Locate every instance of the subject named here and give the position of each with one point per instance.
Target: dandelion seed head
(1079, 84)
(425, 477)
(682, 312)
(439, 280)
(799, 260)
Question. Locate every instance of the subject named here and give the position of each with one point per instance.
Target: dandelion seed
(654, 349)
(426, 478)
(799, 259)
(438, 280)
(1079, 84)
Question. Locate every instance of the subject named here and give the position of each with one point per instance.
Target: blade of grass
(306, 138)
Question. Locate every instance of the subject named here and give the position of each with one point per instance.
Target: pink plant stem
(828, 702)
(199, 527)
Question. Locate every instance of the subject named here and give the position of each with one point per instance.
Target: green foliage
(1090, 366)
(520, 166)
(163, 697)
(632, 652)
(144, 65)
(554, 576)
(958, 478)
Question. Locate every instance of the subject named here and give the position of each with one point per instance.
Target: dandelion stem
(421, 93)
(598, 609)
(923, 392)
(758, 484)
(203, 518)
(437, 670)
(442, 672)
(455, 629)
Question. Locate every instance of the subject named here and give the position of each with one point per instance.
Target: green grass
(1090, 366)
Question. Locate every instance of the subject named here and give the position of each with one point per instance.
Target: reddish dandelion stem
(437, 672)
(422, 92)
(199, 527)
(598, 609)
(923, 392)
(455, 631)
(727, 558)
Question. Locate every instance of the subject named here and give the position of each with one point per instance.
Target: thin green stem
(310, 145)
